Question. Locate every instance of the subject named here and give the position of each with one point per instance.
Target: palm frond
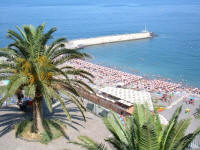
(179, 132)
(170, 129)
(47, 94)
(185, 141)
(47, 36)
(62, 102)
(82, 85)
(55, 45)
(30, 90)
(117, 144)
(115, 126)
(77, 102)
(89, 144)
(148, 139)
(12, 87)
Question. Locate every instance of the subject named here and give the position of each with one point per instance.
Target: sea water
(173, 54)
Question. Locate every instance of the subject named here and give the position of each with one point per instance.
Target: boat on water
(146, 31)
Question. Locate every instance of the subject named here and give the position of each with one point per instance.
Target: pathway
(93, 128)
(177, 101)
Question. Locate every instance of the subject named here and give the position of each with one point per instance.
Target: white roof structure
(129, 96)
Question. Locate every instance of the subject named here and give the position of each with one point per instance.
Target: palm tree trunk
(34, 118)
(38, 116)
(38, 113)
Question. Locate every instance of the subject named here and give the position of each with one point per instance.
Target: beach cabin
(126, 98)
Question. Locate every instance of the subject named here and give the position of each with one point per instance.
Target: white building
(129, 97)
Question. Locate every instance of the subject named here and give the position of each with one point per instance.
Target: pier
(81, 43)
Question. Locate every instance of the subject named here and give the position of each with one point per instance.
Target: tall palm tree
(143, 131)
(41, 71)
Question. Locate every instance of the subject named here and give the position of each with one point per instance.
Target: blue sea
(173, 54)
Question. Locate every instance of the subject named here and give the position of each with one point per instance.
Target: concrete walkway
(177, 101)
(93, 128)
(195, 123)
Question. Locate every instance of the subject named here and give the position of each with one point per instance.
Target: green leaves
(89, 144)
(114, 125)
(16, 81)
(33, 67)
(143, 131)
(76, 101)
(21, 127)
(62, 102)
(148, 138)
(30, 90)
(169, 131)
(178, 133)
(184, 142)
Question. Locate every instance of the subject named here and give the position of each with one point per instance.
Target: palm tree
(143, 131)
(41, 71)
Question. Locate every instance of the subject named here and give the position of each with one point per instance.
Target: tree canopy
(41, 70)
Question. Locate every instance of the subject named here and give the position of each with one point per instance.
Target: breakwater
(81, 43)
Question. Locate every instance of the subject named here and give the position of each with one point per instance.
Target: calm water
(174, 53)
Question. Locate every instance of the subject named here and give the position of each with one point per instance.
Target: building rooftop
(129, 96)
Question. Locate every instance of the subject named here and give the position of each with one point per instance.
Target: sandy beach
(105, 76)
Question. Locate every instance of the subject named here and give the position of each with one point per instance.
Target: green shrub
(53, 129)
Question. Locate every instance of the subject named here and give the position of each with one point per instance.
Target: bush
(53, 130)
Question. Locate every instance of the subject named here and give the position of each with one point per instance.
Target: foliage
(198, 116)
(143, 131)
(89, 144)
(139, 132)
(53, 130)
(22, 127)
(40, 70)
